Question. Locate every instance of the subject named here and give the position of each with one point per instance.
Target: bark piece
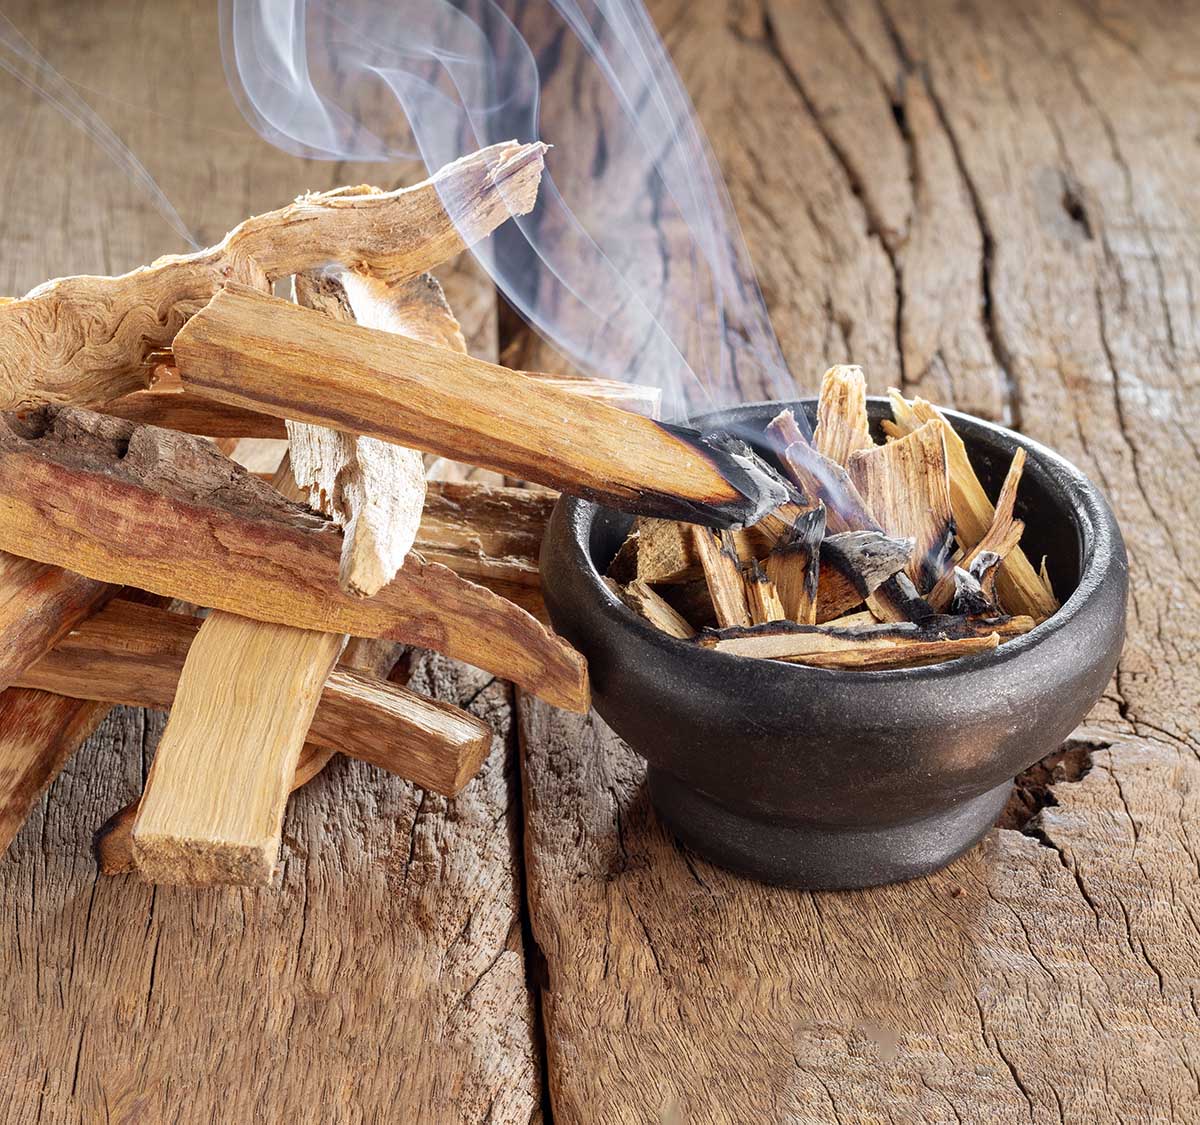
(906, 487)
(723, 575)
(259, 352)
(212, 811)
(114, 839)
(842, 424)
(89, 339)
(134, 654)
(794, 566)
(166, 512)
(1000, 539)
(869, 646)
(372, 489)
(1021, 588)
(644, 601)
(38, 605)
(38, 733)
(762, 596)
(854, 564)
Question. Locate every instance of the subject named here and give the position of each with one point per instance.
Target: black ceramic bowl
(823, 778)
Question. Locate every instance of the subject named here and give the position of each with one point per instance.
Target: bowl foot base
(818, 857)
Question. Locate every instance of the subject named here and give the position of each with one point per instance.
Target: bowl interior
(1053, 528)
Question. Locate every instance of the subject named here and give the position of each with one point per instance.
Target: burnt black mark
(1072, 204)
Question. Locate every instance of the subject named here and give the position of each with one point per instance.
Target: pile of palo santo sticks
(139, 564)
(888, 556)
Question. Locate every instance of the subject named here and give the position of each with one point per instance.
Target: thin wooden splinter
(794, 567)
(723, 574)
(842, 424)
(644, 601)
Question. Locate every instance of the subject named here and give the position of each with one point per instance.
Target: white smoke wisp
(632, 263)
(22, 60)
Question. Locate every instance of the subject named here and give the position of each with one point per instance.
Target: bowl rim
(1095, 527)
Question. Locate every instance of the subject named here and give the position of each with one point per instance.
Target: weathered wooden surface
(994, 203)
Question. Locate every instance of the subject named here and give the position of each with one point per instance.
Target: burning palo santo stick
(212, 811)
(261, 353)
(134, 654)
(166, 512)
(372, 489)
(794, 567)
(1022, 589)
(88, 339)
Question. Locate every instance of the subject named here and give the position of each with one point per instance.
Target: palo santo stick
(827, 482)
(854, 564)
(842, 424)
(372, 489)
(643, 600)
(166, 403)
(1001, 537)
(869, 646)
(258, 352)
(794, 567)
(88, 339)
(114, 840)
(723, 574)
(134, 654)
(762, 597)
(1021, 588)
(212, 811)
(38, 733)
(664, 551)
(38, 605)
(166, 512)
(906, 487)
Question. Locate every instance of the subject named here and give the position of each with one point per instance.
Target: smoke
(21, 59)
(632, 263)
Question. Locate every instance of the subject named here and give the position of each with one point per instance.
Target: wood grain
(166, 512)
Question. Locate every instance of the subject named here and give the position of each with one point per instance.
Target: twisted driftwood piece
(90, 339)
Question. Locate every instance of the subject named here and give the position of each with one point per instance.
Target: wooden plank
(395, 911)
(1047, 974)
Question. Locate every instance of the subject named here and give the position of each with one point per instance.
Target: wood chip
(762, 596)
(827, 482)
(794, 567)
(842, 424)
(853, 565)
(906, 488)
(644, 601)
(723, 574)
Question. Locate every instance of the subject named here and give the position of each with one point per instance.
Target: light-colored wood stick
(827, 482)
(645, 601)
(723, 574)
(166, 512)
(372, 489)
(842, 424)
(906, 488)
(1021, 588)
(854, 565)
(258, 352)
(794, 567)
(663, 552)
(212, 811)
(114, 840)
(1000, 539)
(134, 654)
(89, 339)
(762, 596)
(867, 646)
(38, 605)
(38, 734)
